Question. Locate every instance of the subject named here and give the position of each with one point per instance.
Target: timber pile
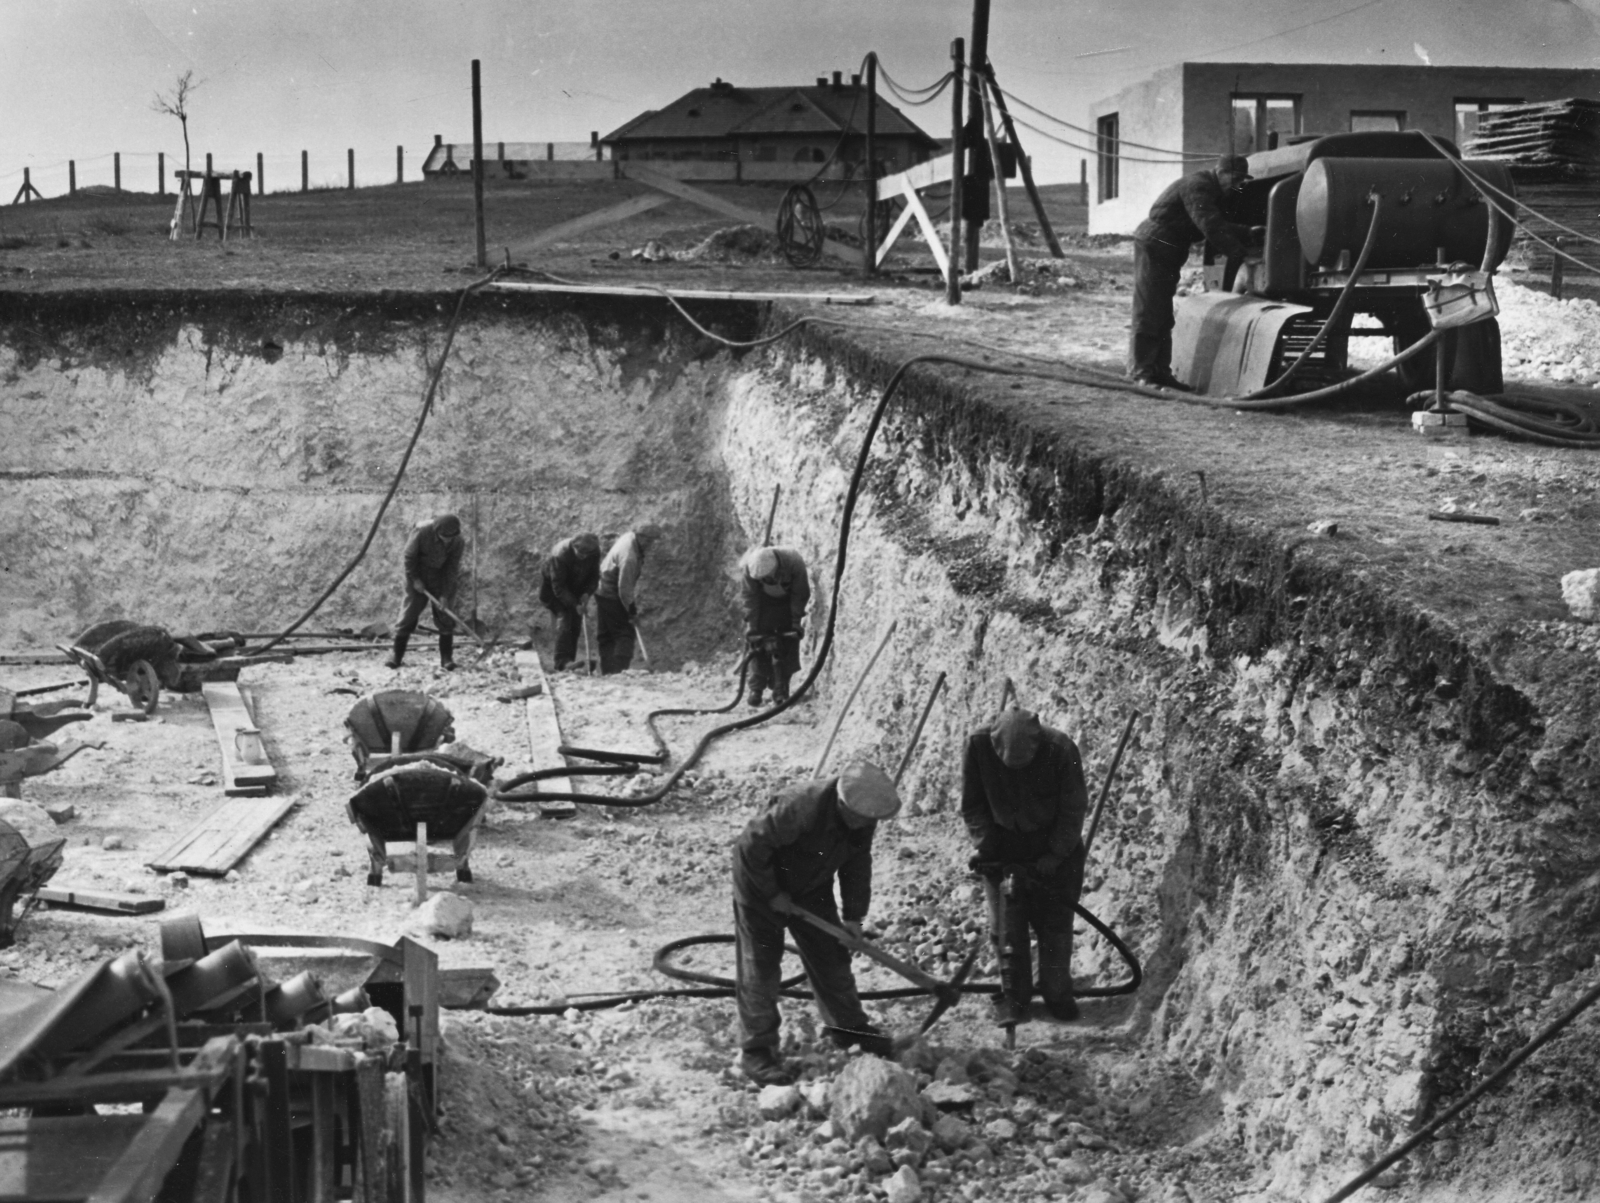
(1553, 152)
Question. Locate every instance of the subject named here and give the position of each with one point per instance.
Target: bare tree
(175, 103)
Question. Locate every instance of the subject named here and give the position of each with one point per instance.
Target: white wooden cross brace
(904, 184)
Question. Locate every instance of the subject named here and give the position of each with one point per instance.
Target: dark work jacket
(794, 583)
(569, 576)
(797, 845)
(1191, 209)
(1017, 816)
(432, 562)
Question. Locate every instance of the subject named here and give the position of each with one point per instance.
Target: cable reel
(800, 230)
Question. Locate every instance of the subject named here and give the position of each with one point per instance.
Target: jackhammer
(1008, 925)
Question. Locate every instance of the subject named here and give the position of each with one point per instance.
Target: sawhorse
(236, 215)
(903, 186)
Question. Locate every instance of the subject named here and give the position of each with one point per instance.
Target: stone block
(1581, 591)
(778, 1102)
(870, 1096)
(446, 915)
(903, 1186)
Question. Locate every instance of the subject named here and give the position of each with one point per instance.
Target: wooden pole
(305, 171)
(1105, 788)
(116, 170)
(772, 512)
(399, 164)
(1083, 181)
(870, 265)
(161, 173)
(999, 184)
(72, 177)
(477, 163)
(952, 288)
(261, 174)
(350, 168)
(854, 689)
(208, 162)
(978, 55)
(916, 732)
(1026, 168)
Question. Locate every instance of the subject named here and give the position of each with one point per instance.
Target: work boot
(869, 1040)
(755, 696)
(447, 646)
(397, 656)
(1064, 1009)
(764, 1067)
(780, 694)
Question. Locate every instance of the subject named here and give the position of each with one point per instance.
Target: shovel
(946, 994)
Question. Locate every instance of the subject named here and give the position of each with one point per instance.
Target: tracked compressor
(1381, 224)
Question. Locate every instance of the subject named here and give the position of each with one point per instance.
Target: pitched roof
(725, 111)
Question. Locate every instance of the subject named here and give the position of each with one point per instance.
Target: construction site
(279, 921)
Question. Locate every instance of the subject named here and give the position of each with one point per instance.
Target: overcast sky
(278, 76)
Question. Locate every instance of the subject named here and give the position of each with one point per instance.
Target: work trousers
(411, 612)
(569, 625)
(774, 668)
(1045, 904)
(615, 634)
(1156, 268)
(758, 968)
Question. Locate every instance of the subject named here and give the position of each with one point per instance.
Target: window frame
(1259, 117)
(1108, 156)
(1481, 105)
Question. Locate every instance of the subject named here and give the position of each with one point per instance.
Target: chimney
(838, 80)
(855, 80)
(438, 139)
(822, 81)
(594, 137)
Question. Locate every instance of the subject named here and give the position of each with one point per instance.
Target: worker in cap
(1023, 800)
(777, 590)
(616, 600)
(570, 574)
(432, 563)
(1192, 209)
(787, 858)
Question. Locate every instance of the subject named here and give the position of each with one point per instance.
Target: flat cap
(1234, 165)
(447, 526)
(1016, 735)
(763, 564)
(866, 790)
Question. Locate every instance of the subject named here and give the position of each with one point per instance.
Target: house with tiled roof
(731, 124)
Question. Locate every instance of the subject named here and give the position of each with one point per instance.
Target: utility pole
(952, 290)
(978, 58)
(871, 225)
(477, 162)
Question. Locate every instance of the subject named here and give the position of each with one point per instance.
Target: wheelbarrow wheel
(143, 686)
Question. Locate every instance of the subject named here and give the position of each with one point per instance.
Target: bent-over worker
(1190, 209)
(777, 590)
(616, 601)
(1023, 800)
(787, 858)
(432, 562)
(570, 574)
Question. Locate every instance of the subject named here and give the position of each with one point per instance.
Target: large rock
(446, 915)
(1581, 591)
(903, 1186)
(951, 1133)
(870, 1096)
(778, 1102)
(909, 1134)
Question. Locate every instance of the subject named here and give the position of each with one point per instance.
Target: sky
(275, 77)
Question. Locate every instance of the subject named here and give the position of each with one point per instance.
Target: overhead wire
(1166, 150)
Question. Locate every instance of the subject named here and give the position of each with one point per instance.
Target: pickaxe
(483, 648)
(946, 994)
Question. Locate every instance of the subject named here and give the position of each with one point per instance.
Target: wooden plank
(923, 175)
(929, 234)
(706, 200)
(61, 1158)
(223, 838)
(686, 294)
(544, 737)
(137, 1175)
(610, 215)
(214, 1177)
(245, 767)
(100, 900)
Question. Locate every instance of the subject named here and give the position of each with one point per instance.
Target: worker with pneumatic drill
(777, 590)
(432, 564)
(1191, 209)
(786, 859)
(616, 600)
(1023, 800)
(570, 574)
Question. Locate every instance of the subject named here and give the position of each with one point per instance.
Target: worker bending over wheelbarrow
(1024, 800)
(786, 859)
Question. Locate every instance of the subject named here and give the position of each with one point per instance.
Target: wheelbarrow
(24, 867)
(40, 719)
(141, 660)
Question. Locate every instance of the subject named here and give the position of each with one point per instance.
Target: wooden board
(101, 900)
(544, 737)
(631, 207)
(223, 838)
(245, 767)
(688, 294)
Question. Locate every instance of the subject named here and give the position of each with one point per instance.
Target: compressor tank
(1427, 205)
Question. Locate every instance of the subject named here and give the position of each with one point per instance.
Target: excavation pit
(1353, 840)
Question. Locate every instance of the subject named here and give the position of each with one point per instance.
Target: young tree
(175, 103)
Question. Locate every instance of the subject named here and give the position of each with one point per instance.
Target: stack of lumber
(1553, 152)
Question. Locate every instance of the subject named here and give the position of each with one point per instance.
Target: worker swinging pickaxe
(946, 994)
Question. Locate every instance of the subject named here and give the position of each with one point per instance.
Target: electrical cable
(1094, 150)
(394, 486)
(1485, 185)
(1165, 150)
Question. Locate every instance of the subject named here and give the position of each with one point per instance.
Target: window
(1470, 111)
(1364, 121)
(1108, 145)
(1260, 120)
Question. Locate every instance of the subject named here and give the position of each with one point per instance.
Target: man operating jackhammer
(1191, 209)
(1023, 800)
(432, 563)
(570, 574)
(616, 601)
(777, 590)
(785, 859)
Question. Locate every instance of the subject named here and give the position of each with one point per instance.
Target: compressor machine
(1381, 224)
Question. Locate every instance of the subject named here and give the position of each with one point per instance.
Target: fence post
(399, 164)
(500, 152)
(594, 141)
(869, 260)
(208, 162)
(116, 169)
(161, 173)
(27, 188)
(261, 175)
(350, 159)
(305, 171)
(1083, 181)
(952, 286)
(72, 177)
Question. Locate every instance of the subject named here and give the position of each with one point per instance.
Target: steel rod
(916, 732)
(833, 732)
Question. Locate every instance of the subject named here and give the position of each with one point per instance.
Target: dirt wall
(213, 461)
(1356, 851)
